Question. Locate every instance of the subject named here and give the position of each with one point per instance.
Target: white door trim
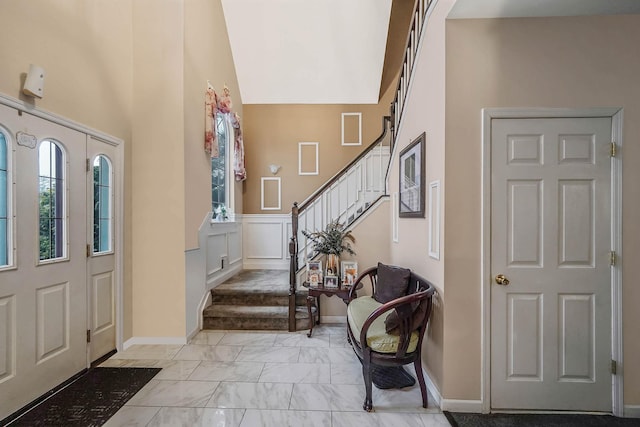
(616, 115)
(119, 205)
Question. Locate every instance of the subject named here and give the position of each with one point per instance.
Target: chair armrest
(370, 272)
(408, 299)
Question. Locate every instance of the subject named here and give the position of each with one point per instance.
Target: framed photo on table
(349, 272)
(330, 281)
(412, 179)
(314, 273)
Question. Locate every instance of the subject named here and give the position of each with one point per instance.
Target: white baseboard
(454, 405)
(333, 319)
(154, 340)
(632, 411)
(432, 389)
(194, 333)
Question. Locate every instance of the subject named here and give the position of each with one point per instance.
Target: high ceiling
(333, 51)
(308, 51)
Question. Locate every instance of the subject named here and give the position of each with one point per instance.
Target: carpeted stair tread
(252, 298)
(239, 289)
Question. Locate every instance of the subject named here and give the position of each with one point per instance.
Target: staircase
(256, 300)
(273, 299)
(356, 188)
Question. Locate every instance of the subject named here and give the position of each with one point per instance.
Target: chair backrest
(415, 312)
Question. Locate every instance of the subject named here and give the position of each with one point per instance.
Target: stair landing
(255, 299)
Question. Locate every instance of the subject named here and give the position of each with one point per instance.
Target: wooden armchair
(389, 334)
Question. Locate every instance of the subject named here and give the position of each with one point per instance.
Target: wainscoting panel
(266, 241)
(216, 250)
(223, 250)
(235, 246)
(259, 245)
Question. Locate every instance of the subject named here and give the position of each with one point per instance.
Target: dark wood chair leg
(366, 372)
(423, 386)
(311, 319)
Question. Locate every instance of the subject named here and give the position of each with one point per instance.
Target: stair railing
(345, 193)
(418, 22)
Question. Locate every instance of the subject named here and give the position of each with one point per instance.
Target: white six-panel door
(550, 239)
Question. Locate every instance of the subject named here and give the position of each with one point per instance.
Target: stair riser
(254, 300)
(243, 323)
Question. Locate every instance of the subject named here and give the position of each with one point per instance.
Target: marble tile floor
(247, 379)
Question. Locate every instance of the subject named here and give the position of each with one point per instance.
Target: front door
(43, 296)
(550, 243)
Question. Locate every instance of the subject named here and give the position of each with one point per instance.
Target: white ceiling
(540, 8)
(333, 51)
(308, 51)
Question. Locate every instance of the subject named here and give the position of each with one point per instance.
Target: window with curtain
(5, 217)
(51, 200)
(102, 205)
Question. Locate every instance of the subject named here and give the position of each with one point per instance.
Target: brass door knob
(501, 279)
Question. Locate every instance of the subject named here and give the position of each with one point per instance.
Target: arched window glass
(102, 201)
(51, 200)
(5, 182)
(219, 165)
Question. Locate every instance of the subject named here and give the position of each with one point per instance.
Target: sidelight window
(5, 202)
(102, 205)
(51, 200)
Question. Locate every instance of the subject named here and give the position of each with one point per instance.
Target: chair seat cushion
(377, 337)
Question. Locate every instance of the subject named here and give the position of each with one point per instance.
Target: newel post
(293, 266)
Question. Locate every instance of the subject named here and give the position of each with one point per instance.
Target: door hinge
(614, 367)
(612, 258)
(612, 149)
(88, 168)
(88, 250)
(88, 335)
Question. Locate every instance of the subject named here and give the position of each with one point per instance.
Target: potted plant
(332, 241)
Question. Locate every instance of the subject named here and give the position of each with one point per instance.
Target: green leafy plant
(334, 239)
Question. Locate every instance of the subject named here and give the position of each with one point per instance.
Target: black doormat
(459, 419)
(90, 400)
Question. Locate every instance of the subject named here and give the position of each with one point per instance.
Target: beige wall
(158, 169)
(85, 49)
(372, 245)
(546, 62)
(424, 112)
(272, 134)
(207, 56)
